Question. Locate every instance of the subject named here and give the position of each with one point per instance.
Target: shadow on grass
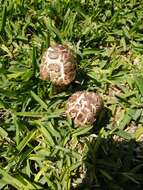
(113, 165)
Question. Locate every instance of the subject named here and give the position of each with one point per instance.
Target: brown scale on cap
(84, 107)
(58, 65)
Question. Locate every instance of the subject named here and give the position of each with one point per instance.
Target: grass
(39, 147)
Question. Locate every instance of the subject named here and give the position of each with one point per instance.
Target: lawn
(39, 147)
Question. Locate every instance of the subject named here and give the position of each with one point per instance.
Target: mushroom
(83, 107)
(58, 65)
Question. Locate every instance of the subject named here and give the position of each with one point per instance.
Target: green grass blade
(11, 180)
(39, 100)
(30, 114)
(26, 140)
(52, 29)
(34, 60)
(139, 83)
(46, 134)
(81, 131)
(3, 22)
(124, 135)
(3, 133)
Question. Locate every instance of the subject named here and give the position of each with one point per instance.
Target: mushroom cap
(83, 107)
(58, 65)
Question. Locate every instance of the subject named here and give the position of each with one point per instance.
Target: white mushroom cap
(83, 107)
(58, 65)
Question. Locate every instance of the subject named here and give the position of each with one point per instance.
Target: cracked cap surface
(58, 65)
(83, 107)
